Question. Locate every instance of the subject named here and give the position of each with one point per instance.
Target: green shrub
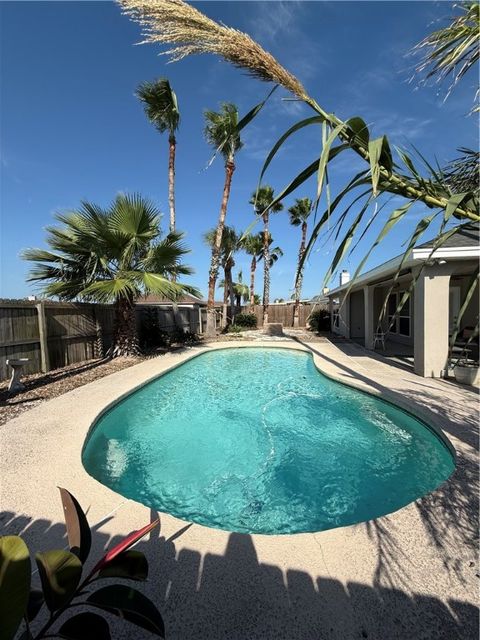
(180, 336)
(320, 320)
(246, 320)
(234, 328)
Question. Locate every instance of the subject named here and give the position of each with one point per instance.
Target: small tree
(112, 255)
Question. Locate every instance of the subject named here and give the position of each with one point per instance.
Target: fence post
(43, 338)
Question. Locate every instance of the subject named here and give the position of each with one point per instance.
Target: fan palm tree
(222, 132)
(299, 214)
(161, 107)
(230, 243)
(111, 255)
(252, 244)
(265, 203)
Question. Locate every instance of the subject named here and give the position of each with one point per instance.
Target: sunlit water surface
(256, 440)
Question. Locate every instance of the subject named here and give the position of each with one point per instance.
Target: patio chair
(379, 336)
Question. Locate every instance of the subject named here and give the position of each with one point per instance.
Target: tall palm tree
(299, 214)
(161, 107)
(252, 244)
(111, 255)
(240, 290)
(229, 245)
(222, 132)
(264, 202)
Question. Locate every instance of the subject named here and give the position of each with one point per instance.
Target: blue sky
(72, 129)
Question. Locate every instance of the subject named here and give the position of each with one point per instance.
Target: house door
(453, 308)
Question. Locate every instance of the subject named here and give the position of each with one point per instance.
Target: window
(401, 323)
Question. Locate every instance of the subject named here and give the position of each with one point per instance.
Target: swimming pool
(257, 440)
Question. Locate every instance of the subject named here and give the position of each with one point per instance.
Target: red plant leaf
(122, 546)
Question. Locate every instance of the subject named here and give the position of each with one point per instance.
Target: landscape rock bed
(44, 386)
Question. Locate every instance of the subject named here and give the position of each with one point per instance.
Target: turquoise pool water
(256, 440)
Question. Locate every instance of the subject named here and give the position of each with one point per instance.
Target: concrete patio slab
(411, 574)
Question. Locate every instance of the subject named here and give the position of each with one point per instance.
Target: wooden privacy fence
(189, 318)
(281, 313)
(53, 334)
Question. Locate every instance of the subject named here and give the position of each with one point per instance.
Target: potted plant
(467, 372)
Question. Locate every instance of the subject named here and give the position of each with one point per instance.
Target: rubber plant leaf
(35, 602)
(78, 530)
(85, 625)
(131, 605)
(60, 572)
(129, 564)
(14, 584)
(125, 544)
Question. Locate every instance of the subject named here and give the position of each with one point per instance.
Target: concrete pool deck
(410, 574)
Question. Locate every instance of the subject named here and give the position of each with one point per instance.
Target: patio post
(368, 293)
(431, 303)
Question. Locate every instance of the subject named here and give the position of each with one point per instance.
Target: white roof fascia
(451, 253)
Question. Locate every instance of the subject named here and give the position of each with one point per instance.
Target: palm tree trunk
(298, 283)
(266, 268)
(225, 298)
(215, 261)
(125, 334)
(171, 181)
(253, 268)
(231, 293)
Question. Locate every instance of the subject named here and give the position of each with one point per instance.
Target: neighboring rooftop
(469, 236)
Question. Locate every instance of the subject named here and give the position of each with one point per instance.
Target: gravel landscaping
(40, 387)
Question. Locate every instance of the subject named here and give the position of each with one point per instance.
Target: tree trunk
(231, 293)
(215, 261)
(171, 182)
(225, 299)
(266, 268)
(298, 282)
(253, 268)
(126, 339)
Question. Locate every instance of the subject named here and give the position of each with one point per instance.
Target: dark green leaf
(60, 572)
(14, 584)
(358, 180)
(360, 131)
(380, 156)
(78, 530)
(129, 564)
(344, 245)
(305, 174)
(131, 605)
(453, 203)
(325, 157)
(253, 112)
(85, 625)
(35, 602)
(287, 134)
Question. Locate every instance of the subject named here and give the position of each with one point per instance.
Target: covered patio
(420, 333)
